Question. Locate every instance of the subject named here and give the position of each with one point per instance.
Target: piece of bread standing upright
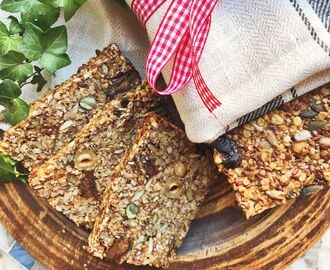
(61, 112)
(73, 181)
(152, 197)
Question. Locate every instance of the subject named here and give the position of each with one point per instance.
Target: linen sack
(258, 55)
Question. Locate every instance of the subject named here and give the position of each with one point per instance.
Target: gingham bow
(182, 34)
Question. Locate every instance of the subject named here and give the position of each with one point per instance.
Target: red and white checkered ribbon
(182, 34)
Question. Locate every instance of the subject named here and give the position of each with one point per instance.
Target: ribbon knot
(182, 35)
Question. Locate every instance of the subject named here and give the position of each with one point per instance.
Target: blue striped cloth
(22, 256)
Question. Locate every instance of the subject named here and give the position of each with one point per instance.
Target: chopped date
(123, 82)
(231, 151)
(118, 249)
(87, 186)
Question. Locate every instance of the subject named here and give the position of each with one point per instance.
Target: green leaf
(16, 108)
(53, 62)
(16, 111)
(9, 160)
(32, 42)
(9, 172)
(55, 40)
(39, 80)
(37, 69)
(13, 67)
(49, 47)
(7, 41)
(14, 26)
(70, 6)
(34, 11)
(8, 91)
(15, 5)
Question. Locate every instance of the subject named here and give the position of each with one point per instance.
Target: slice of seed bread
(152, 198)
(284, 154)
(73, 181)
(61, 112)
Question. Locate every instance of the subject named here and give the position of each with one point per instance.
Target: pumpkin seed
(69, 158)
(308, 114)
(131, 211)
(87, 103)
(311, 189)
(315, 125)
(315, 106)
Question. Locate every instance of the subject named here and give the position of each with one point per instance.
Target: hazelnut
(180, 169)
(300, 148)
(277, 119)
(85, 160)
(173, 189)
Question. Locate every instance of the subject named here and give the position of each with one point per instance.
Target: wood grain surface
(220, 238)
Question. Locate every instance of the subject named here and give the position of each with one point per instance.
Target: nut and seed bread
(152, 197)
(73, 181)
(284, 154)
(61, 112)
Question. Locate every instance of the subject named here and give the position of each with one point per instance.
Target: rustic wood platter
(220, 237)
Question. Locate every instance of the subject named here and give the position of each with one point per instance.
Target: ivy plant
(30, 46)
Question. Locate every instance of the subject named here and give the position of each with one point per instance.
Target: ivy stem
(34, 73)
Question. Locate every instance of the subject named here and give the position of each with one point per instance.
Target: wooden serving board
(220, 237)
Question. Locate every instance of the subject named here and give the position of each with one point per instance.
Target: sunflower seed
(189, 195)
(154, 219)
(66, 125)
(276, 194)
(271, 137)
(138, 195)
(325, 141)
(150, 246)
